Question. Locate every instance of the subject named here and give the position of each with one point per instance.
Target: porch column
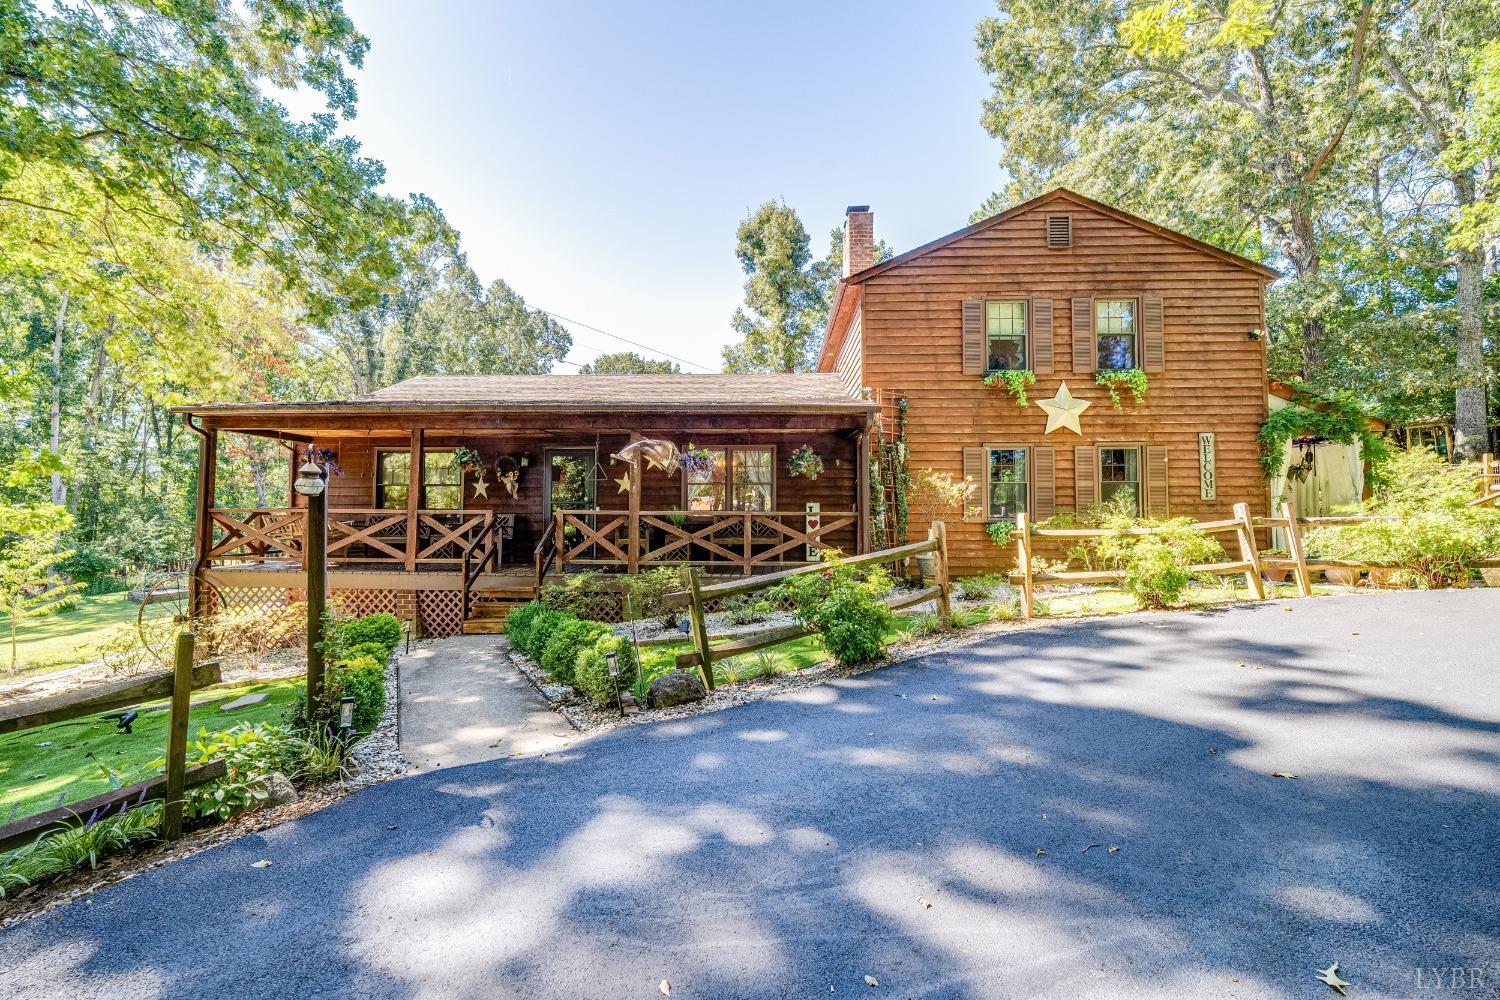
(633, 560)
(413, 499)
(861, 492)
(203, 539)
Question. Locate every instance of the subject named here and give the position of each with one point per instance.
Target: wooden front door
(571, 482)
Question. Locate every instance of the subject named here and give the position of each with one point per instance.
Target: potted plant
(467, 459)
(936, 495)
(696, 460)
(804, 462)
(1123, 378)
(324, 457)
(1015, 382)
(1276, 574)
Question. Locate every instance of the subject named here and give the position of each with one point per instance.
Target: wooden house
(451, 497)
(1066, 288)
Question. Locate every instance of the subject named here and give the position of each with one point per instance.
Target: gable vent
(1059, 231)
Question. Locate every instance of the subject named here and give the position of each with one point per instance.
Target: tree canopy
(629, 363)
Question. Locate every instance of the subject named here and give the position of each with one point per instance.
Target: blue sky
(598, 156)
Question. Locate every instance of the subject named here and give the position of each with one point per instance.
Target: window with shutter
(1153, 345)
(1085, 482)
(1005, 336)
(1041, 336)
(1059, 231)
(1156, 482)
(1120, 476)
(973, 346)
(1083, 334)
(1007, 483)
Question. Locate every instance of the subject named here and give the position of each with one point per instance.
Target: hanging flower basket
(324, 457)
(467, 459)
(804, 462)
(697, 460)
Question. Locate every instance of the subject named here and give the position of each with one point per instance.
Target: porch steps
(491, 608)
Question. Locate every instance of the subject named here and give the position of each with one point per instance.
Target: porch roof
(810, 391)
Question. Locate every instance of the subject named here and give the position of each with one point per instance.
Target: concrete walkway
(463, 702)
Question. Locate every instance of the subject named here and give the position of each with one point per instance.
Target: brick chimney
(859, 239)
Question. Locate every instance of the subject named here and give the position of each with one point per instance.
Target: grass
(36, 765)
(75, 636)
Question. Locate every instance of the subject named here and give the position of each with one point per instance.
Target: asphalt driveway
(782, 849)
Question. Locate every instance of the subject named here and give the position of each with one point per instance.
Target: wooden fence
(1252, 564)
(178, 683)
(697, 596)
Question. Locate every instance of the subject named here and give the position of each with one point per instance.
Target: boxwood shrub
(562, 650)
(382, 628)
(518, 624)
(543, 627)
(591, 670)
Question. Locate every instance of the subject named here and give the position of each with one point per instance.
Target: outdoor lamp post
(312, 484)
(346, 718)
(613, 659)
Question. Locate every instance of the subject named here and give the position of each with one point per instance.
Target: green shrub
(364, 678)
(382, 628)
(543, 626)
(518, 624)
(1156, 565)
(980, 588)
(81, 847)
(591, 671)
(249, 754)
(649, 590)
(584, 595)
(743, 609)
(95, 569)
(561, 653)
(374, 650)
(844, 607)
(1433, 534)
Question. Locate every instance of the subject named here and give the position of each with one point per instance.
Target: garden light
(612, 659)
(346, 716)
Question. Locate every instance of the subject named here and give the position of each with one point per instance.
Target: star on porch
(1063, 410)
(481, 488)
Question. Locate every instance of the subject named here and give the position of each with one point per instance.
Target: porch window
(1007, 484)
(737, 479)
(1005, 336)
(1120, 474)
(442, 481)
(1114, 325)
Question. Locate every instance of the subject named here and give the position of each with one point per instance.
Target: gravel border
(378, 756)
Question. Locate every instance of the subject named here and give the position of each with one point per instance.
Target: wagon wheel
(171, 591)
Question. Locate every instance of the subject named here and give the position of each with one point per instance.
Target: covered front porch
(432, 490)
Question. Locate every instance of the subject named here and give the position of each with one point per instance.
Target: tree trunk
(1471, 400)
(1303, 252)
(59, 491)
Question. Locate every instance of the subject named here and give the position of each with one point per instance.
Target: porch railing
(362, 536)
(742, 540)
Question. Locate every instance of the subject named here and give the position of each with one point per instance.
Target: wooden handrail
(484, 536)
(542, 554)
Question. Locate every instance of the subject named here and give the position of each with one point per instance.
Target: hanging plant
(1124, 378)
(999, 532)
(804, 462)
(697, 460)
(1315, 419)
(324, 457)
(1015, 382)
(467, 459)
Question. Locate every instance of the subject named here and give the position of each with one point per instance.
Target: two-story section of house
(1066, 288)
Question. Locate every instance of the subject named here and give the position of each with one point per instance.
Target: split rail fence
(177, 683)
(1252, 564)
(698, 596)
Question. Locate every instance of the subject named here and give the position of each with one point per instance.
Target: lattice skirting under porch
(434, 613)
(439, 613)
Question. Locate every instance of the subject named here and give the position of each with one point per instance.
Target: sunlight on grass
(73, 637)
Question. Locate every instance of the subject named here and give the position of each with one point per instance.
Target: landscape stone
(244, 701)
(677, 688)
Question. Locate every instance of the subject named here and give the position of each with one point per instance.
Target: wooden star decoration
(1063, 410)
(1330, 976)
(624, 482)
(481, 488)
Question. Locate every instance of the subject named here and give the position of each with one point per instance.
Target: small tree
(27, 589)
(935, 495)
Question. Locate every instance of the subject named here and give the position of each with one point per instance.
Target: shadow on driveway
(780, 849)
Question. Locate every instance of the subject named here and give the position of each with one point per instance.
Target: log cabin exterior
(1065, 287)
(412, 533)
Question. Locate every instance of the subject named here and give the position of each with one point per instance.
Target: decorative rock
(279, 790)
(244, 701)
(677, 688)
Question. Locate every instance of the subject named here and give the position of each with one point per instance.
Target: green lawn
(68, 757)
(73, 637)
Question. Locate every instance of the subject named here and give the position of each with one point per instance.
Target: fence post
(938, 533)
(1023, 561)
(1294, 546)
(1487, 483)
(177, 733)
(561, 543)
(700, 629)
(1249, 551)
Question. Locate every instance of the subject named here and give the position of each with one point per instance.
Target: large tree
(778, 324)
(1223, 119)
(629, 363)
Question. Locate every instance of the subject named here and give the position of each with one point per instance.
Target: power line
(627, 340)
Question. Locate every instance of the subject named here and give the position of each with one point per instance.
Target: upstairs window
(1007, 484)
(1114, 327)
(1005, 336)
